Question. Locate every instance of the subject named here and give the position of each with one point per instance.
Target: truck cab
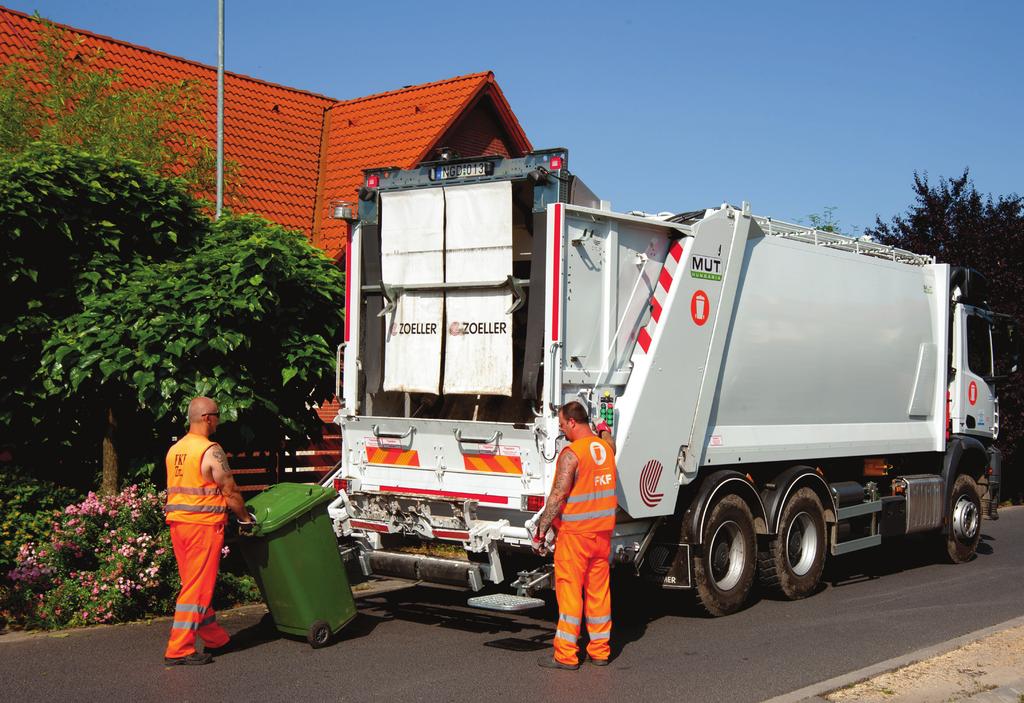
(985, 351)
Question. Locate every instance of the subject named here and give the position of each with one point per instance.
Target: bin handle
(477, 440)
(391, 435)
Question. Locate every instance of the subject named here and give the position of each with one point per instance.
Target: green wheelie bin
(293, 554)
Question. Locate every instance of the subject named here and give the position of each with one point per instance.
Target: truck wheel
(319, 634)
(795, 558)
(724, 566)
(964, 519)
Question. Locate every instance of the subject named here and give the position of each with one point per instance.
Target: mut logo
(649, 477)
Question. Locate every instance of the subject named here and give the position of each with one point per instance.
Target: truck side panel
(826, 353)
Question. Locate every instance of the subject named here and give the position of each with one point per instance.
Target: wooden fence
(257, 470)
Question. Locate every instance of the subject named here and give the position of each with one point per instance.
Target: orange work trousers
(581, 586)
(197, 550)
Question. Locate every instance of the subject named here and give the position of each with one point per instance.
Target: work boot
(549, 662)
(194, 659)
(598, 662)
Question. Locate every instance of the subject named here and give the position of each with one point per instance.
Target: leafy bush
(109, 559)
(30, 507)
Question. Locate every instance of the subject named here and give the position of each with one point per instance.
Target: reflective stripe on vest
(188, 491)
(592, 503)
(190, 497)
(184, 507)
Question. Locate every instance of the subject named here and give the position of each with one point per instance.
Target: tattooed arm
(215, 468)
(565, 476)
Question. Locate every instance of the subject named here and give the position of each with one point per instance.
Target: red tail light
(343, 485)
(372, 181)
(532, 504)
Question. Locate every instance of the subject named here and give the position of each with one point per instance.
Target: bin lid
(280, 504)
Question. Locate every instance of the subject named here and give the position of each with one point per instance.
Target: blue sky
(792, 106)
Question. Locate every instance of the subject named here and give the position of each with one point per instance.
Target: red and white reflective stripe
(461, 535)
(348, 282)
(668, 274)
(375, 526)
(556, 272)
(482, 497)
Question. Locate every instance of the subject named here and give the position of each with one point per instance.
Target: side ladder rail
(834, 240)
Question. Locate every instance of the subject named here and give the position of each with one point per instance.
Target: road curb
(379, 587)
(815, 692)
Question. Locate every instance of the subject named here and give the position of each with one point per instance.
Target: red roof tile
(272, 132)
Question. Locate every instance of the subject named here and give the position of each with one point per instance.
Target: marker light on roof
(555, 163)
(372, 181)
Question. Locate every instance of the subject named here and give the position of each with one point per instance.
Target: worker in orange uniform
(200, 492)
(581, 507)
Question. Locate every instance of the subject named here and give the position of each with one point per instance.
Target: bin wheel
(319, 634)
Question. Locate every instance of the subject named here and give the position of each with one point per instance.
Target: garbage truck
(777, 394)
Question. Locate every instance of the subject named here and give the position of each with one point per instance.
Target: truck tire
(963, 515)
(725, 563)
(795, 557)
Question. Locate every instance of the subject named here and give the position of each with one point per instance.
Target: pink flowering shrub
(109, 559)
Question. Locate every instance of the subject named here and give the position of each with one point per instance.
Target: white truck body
(718, 341)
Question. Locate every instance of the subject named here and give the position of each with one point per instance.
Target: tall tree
(122, 300)
(953, 222)
(251, 317)
(72, 226)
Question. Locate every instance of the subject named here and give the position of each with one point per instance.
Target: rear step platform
(505, 601)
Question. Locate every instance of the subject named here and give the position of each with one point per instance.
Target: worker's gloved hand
(540, 547)
(537, 542)
(603, 427)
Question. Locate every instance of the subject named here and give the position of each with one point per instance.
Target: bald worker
(200, 492)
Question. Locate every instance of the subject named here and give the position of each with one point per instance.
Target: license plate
(447, 172)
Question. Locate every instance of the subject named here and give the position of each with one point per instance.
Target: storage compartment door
(412, 252)
(478, 346)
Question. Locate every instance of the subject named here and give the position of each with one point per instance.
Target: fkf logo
(600, 455)
(179, 463)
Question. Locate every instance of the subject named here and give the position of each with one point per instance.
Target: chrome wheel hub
(727, 556)
(801, 544)
(965, 519)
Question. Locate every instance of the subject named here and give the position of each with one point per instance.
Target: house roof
(398, 128)
(272, 132)
(296, 150)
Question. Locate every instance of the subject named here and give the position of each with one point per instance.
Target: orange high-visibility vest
(190, 497)
(592, 503)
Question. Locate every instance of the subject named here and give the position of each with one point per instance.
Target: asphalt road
(424, 644)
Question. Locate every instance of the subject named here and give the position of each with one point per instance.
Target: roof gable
(398, 128)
